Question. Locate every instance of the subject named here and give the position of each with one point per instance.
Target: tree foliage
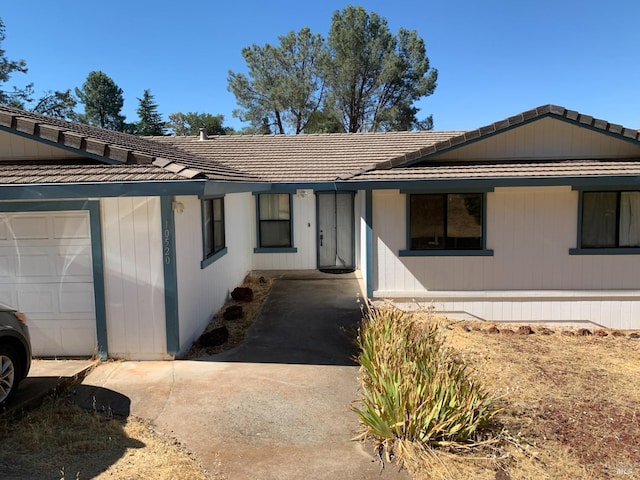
(16, 97)
(285, 82)
(363, 78)
(103, 100)
(190, 123)
(57, 104)
(149, 119)
(373, 76)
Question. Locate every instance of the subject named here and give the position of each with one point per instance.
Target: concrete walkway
(276, 407)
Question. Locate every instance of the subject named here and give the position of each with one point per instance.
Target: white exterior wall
(304, 238)
(530, 277)
(134, 277)
(202, 292)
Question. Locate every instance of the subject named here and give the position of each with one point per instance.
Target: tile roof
(287, 158)
(117, 147)
(21, 174)
(565, 168)
(308, 158)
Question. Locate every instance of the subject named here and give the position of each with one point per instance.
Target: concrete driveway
(276, 407)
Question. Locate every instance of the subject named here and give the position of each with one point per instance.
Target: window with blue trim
(213, 226)
(446, 221)
(610, 219)
(274, 220)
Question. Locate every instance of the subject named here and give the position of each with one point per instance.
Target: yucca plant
(413, 389)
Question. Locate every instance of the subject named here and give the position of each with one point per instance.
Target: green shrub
(413, 389)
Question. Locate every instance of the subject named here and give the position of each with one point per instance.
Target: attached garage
(46, 270)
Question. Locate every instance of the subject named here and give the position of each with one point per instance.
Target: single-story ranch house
(126, 246)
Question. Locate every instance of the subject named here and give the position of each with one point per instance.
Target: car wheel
(9, 373)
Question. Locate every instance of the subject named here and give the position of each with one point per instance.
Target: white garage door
(46, 271)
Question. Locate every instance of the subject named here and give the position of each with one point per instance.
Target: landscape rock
(617, 333)
(600, 333)
(568, 333)
(546, 331)
(215, 337)
(507, 331)
(233, 312)
(242, 294)
(493, 329)
(525, 330)
(634, 335)
(584, 332)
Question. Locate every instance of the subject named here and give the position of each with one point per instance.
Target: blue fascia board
(605, 251)
(218, 188)
(488, 184)
(93, 190)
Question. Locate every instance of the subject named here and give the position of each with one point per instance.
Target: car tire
(10, 368)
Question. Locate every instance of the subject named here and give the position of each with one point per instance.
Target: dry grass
(261, 285)
(570, 405)
(61, 441)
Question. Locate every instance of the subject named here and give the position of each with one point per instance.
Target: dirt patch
(59, 440)
(570, 403)
(235, 326)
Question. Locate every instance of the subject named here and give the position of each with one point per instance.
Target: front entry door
(335, 231)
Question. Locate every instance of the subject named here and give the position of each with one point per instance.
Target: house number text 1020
(166, 243)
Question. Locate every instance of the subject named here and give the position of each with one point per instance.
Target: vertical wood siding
(202, 292)
(133, 273)
(304, 239)
(530, 231)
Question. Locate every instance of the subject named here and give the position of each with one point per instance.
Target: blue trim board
(95, 226)
(368, 216)
(93, 190)
(172, 321)
(605, 251)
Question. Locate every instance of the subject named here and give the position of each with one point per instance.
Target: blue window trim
(95, 227)
(259, 249)
(481, 252)
(600, 251)
(211, 258)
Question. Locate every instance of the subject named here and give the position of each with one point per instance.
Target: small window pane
(464, 221)
(207, 216)
(630, 219)
(274, 207)
(213, 225)
(427, 222)
(218, 224)
(275, 234)
(599, 219)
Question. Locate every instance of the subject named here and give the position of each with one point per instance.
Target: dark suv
(15, 352)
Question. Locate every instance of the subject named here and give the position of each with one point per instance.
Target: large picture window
(610, 219)
(213, 226)
(450, 221)
(274, 220)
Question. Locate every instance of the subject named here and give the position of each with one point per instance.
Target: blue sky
(495, 58)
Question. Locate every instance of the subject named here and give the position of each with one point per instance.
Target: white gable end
(17, 148)
(545, 139)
